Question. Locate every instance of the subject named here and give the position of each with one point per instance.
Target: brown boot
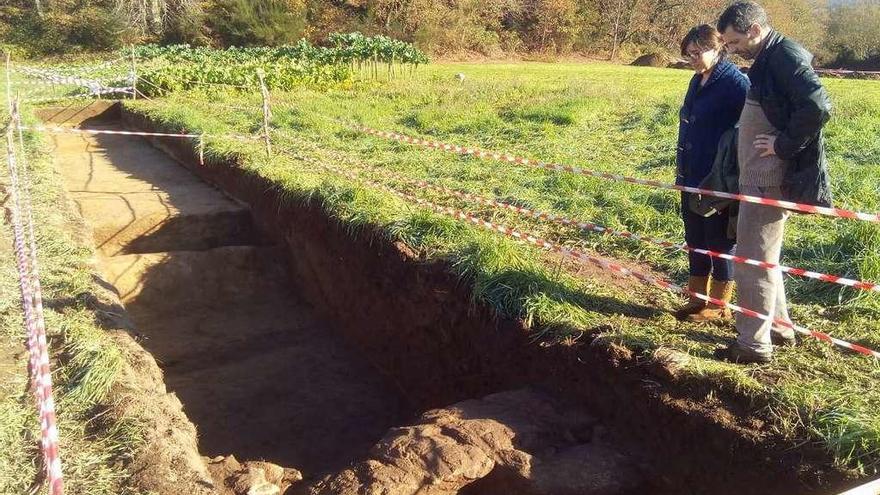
(718, 290)
(699, 285)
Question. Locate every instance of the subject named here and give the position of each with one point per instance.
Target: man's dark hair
(741, 15)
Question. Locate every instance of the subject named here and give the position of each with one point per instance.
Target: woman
(713, 103)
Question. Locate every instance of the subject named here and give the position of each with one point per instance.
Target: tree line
(839, 33)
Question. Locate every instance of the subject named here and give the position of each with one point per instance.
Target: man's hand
(766, 142)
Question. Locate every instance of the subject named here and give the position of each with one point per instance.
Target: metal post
(267, 113)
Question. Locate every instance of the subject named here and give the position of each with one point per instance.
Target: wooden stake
(9, 83)
(134, 78)
(267, 113)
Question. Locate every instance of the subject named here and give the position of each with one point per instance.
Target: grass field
(607, 118)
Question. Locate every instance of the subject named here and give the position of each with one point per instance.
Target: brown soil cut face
(256, 371)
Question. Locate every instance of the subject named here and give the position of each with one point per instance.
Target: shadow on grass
(515, 292)
(663, 161)
(559, 115)
(652, 120)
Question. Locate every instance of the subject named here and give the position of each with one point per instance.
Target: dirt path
(257, 373)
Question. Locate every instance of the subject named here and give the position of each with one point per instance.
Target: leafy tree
(258, 22)
(854, 34)
(549, 25)
(846, 32)
(62, 26)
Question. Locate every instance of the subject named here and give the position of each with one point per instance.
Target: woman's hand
(766, 142)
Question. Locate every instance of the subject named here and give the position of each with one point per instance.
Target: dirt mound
(251, 478)
(511, 442)
(651, 60)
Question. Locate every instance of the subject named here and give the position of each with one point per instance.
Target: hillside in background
(839, 33)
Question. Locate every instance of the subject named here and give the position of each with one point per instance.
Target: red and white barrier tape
(833, 212)
(95, 87)
(93, 90)
(77, 70)
(73, 130)
(47, 75)
(40, 82)
(32, 304)
(562, 220)
(86, 96)
(602, 263)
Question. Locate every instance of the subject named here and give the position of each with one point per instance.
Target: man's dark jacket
(796, 104)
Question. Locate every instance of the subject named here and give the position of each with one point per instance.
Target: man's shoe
(782, 340)
(735, 353)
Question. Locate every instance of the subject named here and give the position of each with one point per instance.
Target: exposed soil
(519, 442)
(13, 365)
(652, 60)
(294, 340)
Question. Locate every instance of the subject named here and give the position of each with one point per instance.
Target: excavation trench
(291, 340)
(250, 360)
(260, 372)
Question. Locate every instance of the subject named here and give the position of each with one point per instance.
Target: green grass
(85, 361)
(608, 118)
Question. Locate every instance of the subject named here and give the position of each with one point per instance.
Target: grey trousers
(759, 236)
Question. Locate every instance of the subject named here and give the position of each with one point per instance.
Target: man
(781, 156)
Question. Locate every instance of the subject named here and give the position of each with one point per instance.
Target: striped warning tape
(41, 82)
(53, 77)
(32, 305)
(563, 220)
(602, 263)
(77, 70)
(84, 96)
(52, 84)
(833, 212)
(94, 86)
(73, 130)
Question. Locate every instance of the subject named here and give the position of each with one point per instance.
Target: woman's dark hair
(705, 37)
